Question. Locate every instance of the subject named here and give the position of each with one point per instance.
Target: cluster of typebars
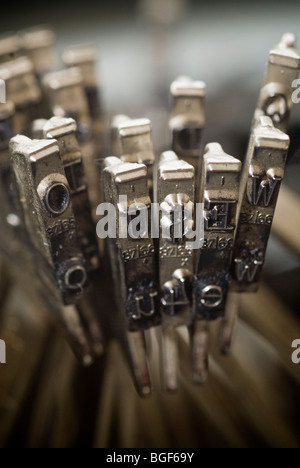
(54, 178)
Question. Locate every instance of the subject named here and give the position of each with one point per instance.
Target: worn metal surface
(275, 98)
(63, 130)
(176, 193)
(219, 193)
(46, 201)
(187, 120)
(137, 145)
(23, 90)
(265, 163)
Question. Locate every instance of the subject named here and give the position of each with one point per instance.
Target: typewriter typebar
(275, 98)
(114, 136)
(176, 189)
(136, 144)
(187, 120)
(7, 112)
(262, 177)
(37, 129)
(11, 216)
(38, 46)
(219, 194)
(67, 98)
(10, 47)
(84, 57)
(64, 131)
(175, 195)
(133, 258)
(46, 200)
(275, 102)
(22, 89)
(136, 257)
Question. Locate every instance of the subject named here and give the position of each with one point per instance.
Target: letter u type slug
(125, 186)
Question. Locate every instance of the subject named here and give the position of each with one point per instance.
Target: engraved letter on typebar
(219, 192)
(175, 194)
(261, 180)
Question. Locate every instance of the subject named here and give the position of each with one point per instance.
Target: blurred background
(250, 399)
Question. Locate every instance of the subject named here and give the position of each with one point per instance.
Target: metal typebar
(176, 192)
(219, 194)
